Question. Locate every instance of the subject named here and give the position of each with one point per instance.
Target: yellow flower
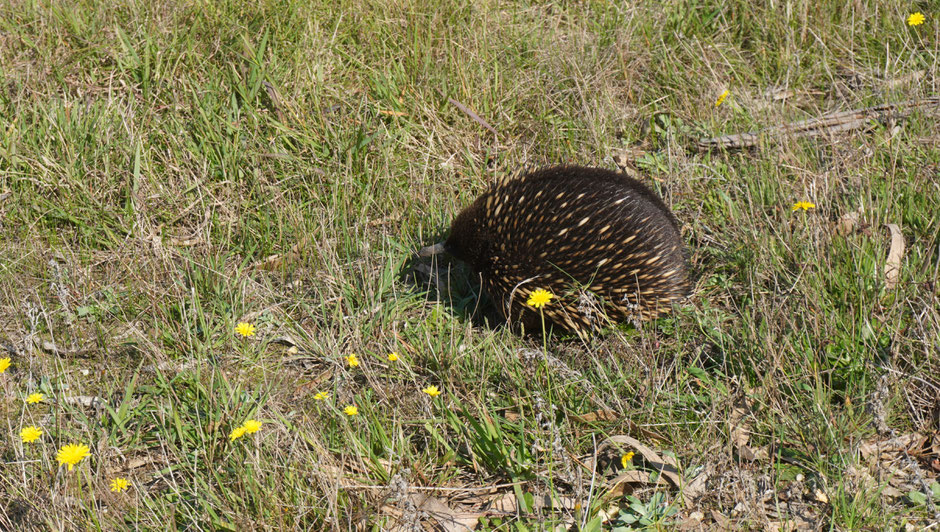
(34, 398)
(30, 434)
(245, 329)
(352, 360)
(72, 454)
(321, 396)
(805, 205)
(432, 391)
(119, 484)
(722, 97)
(251, 426)
(539, 298)
(351, 410)
(625, 459)
(392, 357)
(916, 19)
(237, 433)
(4, 364)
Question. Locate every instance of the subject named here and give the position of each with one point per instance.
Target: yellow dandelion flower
(722, 97)
(432, 391)
(916, 19)
(245, 329)
(119, 484)
(625, 459)
(392, 357)
(803, 205)
(539, 298)
(4, 364)
(237, 433)
(351, 410)
(321, 396)
(34, 398)
(251, 426)
(30, 434)
(72, 454)
(352, 360)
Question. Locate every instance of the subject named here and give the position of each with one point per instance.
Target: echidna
(595, 239)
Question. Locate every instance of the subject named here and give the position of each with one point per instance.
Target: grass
(155, 157)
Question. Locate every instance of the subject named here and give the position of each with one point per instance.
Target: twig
(435, 488)
(276, 101)
(824, 125)
(469, 112)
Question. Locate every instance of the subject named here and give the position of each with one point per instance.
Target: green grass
(154, 155)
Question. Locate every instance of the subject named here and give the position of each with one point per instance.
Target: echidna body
(573, 231)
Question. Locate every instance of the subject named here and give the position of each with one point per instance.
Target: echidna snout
(587, 235)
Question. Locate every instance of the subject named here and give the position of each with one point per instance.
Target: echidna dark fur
(594, 238)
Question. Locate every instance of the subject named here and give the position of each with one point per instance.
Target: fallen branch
(469, 112)
(825, 125)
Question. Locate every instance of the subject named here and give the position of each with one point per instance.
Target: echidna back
(588, 235)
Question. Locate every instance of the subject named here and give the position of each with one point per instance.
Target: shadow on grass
(453, 283)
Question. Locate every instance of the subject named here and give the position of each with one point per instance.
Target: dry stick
(824, 125)
(469, 112)
(276, 100)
